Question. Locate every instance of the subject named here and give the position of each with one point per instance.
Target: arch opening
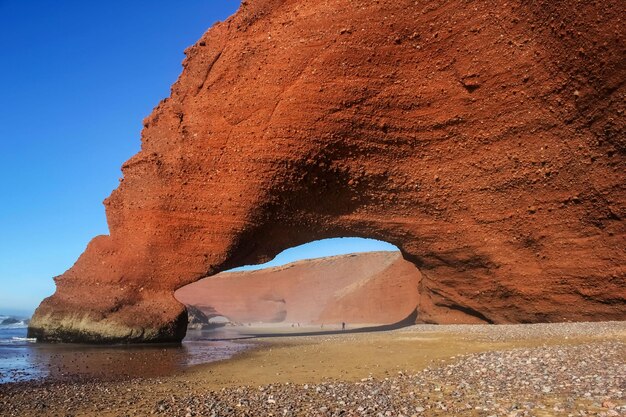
(317, 286)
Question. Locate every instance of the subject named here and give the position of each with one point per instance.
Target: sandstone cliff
(375, 287)
(484, 139)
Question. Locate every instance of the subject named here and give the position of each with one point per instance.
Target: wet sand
(26, 361)
(554, 369)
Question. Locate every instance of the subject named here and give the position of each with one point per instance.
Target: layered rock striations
(373, 287)
(484, 139)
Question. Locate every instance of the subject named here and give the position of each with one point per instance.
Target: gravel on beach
(570, 381)
(583, 378)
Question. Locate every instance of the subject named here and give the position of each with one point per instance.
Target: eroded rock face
(373, 288)
(484, 139)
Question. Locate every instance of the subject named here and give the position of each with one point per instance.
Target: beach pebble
(584, 379)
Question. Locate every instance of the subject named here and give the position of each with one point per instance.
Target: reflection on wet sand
(65, 362)
(73, 362)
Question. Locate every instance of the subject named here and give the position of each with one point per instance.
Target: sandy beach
(569, 369)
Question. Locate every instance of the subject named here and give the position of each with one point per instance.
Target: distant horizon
(20, 314)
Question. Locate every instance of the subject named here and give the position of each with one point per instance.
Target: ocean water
(12, 343)
(23, 359)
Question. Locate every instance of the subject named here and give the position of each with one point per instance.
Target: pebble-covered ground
(579, 371)
(554, 332)
(569, 381)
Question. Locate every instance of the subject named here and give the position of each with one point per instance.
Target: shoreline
(284, 366)
(345, 356)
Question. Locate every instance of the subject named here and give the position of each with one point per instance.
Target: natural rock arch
(484, 139)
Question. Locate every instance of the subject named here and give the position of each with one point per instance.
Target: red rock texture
(484, 139)
(373, 287)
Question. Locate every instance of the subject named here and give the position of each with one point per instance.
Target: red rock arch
(484, 139)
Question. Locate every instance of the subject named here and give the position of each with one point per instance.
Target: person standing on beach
(343, 325)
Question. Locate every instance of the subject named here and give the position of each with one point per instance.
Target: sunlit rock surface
(374, 288)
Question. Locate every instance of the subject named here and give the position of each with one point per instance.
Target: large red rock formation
(484, 139)
(374, 287)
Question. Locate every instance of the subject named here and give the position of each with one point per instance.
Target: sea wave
(13, 331)
(24, 339)
(19, 325)
(14, 342)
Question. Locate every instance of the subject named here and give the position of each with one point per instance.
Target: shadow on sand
(407, 321)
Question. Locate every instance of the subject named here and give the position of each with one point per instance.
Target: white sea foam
(21, 322)
(24, 339)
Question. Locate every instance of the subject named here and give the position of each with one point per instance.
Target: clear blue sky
(78, 77)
